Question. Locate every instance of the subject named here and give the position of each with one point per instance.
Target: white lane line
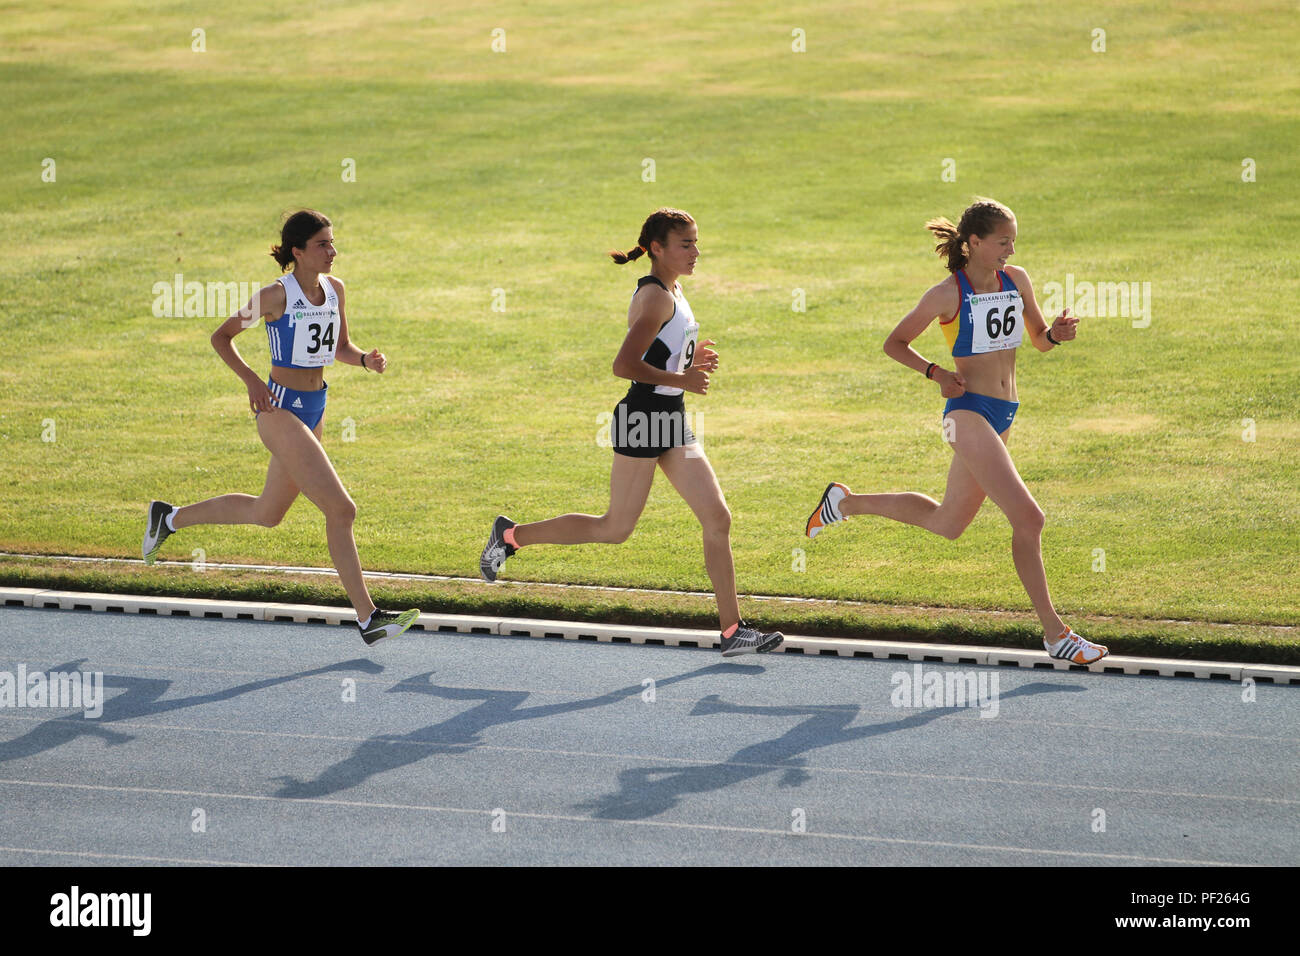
(470, 746)
(125, 856)
(566, 818)
(962, 717)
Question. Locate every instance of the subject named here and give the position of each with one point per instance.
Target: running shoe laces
(497, 549)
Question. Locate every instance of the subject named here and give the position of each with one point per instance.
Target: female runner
(649, 429)
(990, 306)
(308, 329)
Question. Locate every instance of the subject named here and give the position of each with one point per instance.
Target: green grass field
(478, 171)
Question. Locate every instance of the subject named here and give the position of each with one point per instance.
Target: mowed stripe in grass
(516, 171)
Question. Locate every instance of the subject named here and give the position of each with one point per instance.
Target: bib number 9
(689, 355)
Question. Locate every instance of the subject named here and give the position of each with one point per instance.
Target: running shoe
(497, 550)
(1075, 649)
(828, 509)
(386, 624)
(748, 640)
(155, 530)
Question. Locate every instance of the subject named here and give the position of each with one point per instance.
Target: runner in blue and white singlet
(305, 337)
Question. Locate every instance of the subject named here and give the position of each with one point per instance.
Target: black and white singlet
(652, 418)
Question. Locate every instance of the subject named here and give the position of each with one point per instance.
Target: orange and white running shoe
(1075, 649)
(828, 509)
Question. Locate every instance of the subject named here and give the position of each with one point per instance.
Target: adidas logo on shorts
(297, 403)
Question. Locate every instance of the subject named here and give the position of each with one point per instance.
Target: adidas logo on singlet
(300, 304)
(297, 403)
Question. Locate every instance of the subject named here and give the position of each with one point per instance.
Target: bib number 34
(313, 343)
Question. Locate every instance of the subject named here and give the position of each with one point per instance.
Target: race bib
(313, 339)
(688, 347)
(995, 319)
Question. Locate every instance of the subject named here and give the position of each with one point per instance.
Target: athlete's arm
(266, 302)
(345, 351)
(1062, 326)
(940, 300)
(651, 308)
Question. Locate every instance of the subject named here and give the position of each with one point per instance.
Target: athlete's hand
(376, 361)
(696, 380)
(259, 397)
(951, 384)
(1063, 326)
(705, 357)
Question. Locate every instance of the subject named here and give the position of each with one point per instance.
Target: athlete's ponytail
(655, 229)
(295, 233)
(979, 219)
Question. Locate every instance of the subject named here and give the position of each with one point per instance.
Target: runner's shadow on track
(648, 791)
(143, 698)
(463, 732)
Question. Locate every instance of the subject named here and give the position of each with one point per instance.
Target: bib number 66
(999, 326)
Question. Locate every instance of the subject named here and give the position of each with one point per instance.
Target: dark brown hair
(979, 219)
(296, 232)
(655, 229)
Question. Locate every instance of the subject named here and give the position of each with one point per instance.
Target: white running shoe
(1075, 649)
(828, 509)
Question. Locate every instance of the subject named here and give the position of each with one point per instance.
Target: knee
(717, 522)
(952, 531)
(269, 519)
(952, 527)
(1030, 521)
(344, 510)
(616, 531)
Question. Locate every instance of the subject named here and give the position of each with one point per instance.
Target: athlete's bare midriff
(992, 374)
(299, 379)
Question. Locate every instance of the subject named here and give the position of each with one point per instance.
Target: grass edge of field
(1177, 640)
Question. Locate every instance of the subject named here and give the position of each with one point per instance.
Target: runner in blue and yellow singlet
(986, 309)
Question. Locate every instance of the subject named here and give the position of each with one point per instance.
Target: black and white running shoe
(497, 550)
(155, 530)
(827, 511)
(386, 624)
(747, 640)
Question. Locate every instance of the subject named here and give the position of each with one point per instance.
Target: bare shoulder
(1018, 275)
(944, 296)
(335, 281)
(651, 301)
(271, 299)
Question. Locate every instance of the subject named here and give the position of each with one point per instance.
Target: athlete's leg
(691, 474)
(267, 509)
(309, 468)
(629, 487)
(986, 457)
(961, 502)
